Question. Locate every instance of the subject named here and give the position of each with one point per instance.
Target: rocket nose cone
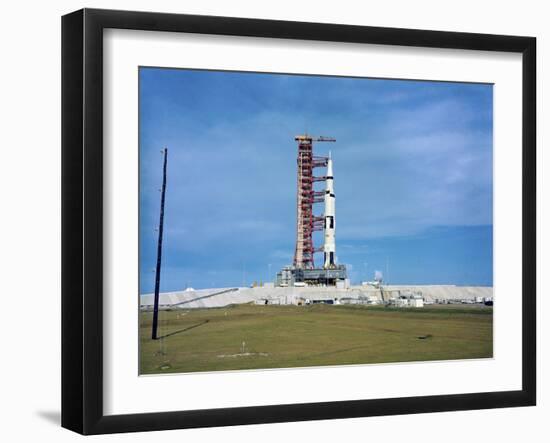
(329, 167)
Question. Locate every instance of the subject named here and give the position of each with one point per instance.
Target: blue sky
(412, 167)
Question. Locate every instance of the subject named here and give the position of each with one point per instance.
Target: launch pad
(303, 271)
(291, 276)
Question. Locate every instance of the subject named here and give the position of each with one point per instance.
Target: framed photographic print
(269, 221)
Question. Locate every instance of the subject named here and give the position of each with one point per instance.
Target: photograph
(298, 220)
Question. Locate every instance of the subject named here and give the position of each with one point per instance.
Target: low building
(416, 303)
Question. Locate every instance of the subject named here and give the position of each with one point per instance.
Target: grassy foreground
(251, 337)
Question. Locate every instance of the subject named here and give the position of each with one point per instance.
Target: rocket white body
(329, 247)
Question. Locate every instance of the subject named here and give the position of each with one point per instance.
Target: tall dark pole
(159, 249)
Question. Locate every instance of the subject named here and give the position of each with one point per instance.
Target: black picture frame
(82, 215)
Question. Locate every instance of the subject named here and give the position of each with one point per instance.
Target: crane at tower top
(313, 138)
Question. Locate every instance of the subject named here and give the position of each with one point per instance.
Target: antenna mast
(159, 249)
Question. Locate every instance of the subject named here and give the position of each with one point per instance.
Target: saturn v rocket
(329, 246)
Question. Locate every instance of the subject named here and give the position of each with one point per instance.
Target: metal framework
(306, 222)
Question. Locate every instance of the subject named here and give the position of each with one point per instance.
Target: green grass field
(318, 335)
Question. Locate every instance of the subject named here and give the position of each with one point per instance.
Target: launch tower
(303, 269)
(306, 222)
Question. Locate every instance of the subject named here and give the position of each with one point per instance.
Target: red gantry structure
(307, 223)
